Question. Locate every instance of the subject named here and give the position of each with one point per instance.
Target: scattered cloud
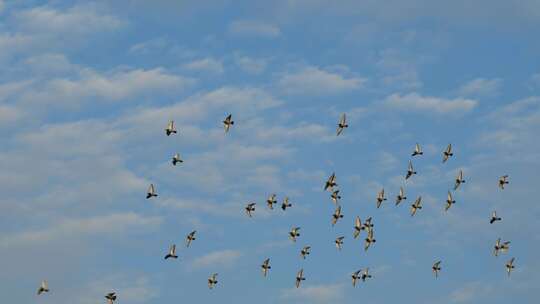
(222, 258)
(470, 292)
(205, 65)
(481, 87)
(414, 102)
(254, 28)
(251, 65)
(312, 80)
(315, 293)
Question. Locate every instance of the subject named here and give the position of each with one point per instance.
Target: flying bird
(170, 128)
(365, 275)
(401, 196)
(449, 201)
(111, 297)
(337, 215)
(176, 159)
(380, 198)
(212, 280)
(271, 201)
(369, 240)
(305, 251)
(501, 246)
(44, 287)
(190, 238)
(367, 224)
(355, 277)
(227, 123)
(358, 227)
(436, 268)
(339, 242)
(250, 208)
(417, 150)
(285, 203)
(265, 266)
(293, 234)
(503, 180)
(331, 182)
(335, 196)
(172, 252)
(410, 171)
(510, 266)
(151, 191)
(416, 205)
(447, 153)
(299, 277)
(342, 124)
(494, 217)
(459, 180)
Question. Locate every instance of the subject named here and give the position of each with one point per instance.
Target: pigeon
(285, 203)
(416, 205)
(365, 275)
(494, 217)
(176, 159)
(228, 122)
(503, 180)
(44, 287)
(358, 227)
(447, 153)
(331, 182)
(265, 266)
(294, 233)
(190, 238)
(305, 252)
(501, 246)
(111, 297)
(299, 277)
(335, 196)
(342, 124)
(250, 208)
(401, 196)
(510, 266)
(170, 128)
(172, 253)
(151, 192)
(337, 215)
(459, 180)
(449, 201)
(367, 224)
(355, 277)
(380, 198)
(271, 201)
(410, 171)
(436, 268)
(417, 150)
(369, 240)
(339, 242)
(212, 280)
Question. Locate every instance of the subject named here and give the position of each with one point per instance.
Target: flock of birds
(331, 185)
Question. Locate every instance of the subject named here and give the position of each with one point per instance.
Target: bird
(494, 217)
(401, 196)
(151, 192)
(436, 268)
(294, 233)
(299, 277)
(335, 196)
(369, 240)
(271, 201)
(190, 238)
(355, 277)
(331, 182)
(503, 180)
(358, 227)
(380, 198)
(172, 252)
(170, 128)
(510, 266)
(417, 150)
(265, 266)
(176, 159)
(212, 280)
(367, 224)
(339, 242)
(501, 246)
(342, 124)
(410, 171)
(305, 251)
(44, 287)
(250, 208)
(285, 203)
(416, 205)
(228, 122)
(449, 201)
(337, 215)
(447, 153)
(111, 297)
(459, 180)
(365, 275)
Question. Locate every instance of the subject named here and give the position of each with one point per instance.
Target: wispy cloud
(330, 293)
(222, 258)
(313, 80)
(205, 65)
(414, 102)
(254, 28)
(481, 87)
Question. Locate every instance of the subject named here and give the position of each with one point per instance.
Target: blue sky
(87, 88)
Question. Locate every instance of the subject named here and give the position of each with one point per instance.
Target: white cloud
(9, 115)
(222, 258)
(470, 292)
(481, 87)
(432, 105)
(254, 28)
(1, 6)
(251, 65)
(315, 294)
(397, 71)
(315, 81)
(130, 288)
(205, 65)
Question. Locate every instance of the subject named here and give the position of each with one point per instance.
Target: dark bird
(293, 234)
(410, 171)
(342, 124)
(459, 180)
(44, 287)
(151, 191)
(337, 215)
(190, 238)
(367, 224)
(380, 198)
(494, 217)
(365, 275)
(299, 277)
(449, 201)
(447, 153)
(510, 266)
(111, 297)
(271, 201)
(358, 227)
(501, 246)
(417, 150)
(331, 182)
(265, 266)
(339, 242)
(285, 203)
(335, 196)
(436, 268)
(250, 208)
(503, 180)
(401, 196)
(416, 205)
(305, 251)
(176, 159)
(227, 123)
(369, 240)
(172, 253)
(170, 128)
(355, 277)
(212, 280)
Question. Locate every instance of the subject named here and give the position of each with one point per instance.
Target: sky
(87, 88)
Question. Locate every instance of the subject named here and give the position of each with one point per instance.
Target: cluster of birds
(331, 185)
